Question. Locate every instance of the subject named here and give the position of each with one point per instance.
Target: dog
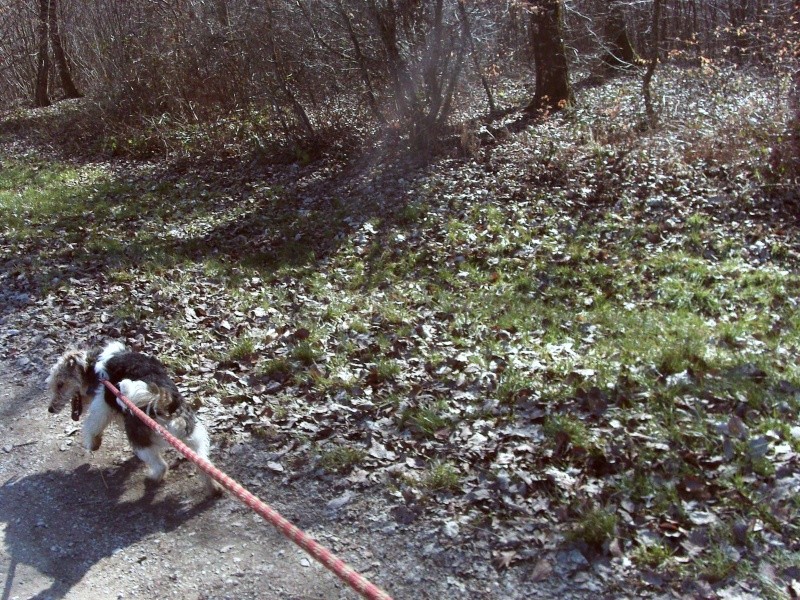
(77, 379)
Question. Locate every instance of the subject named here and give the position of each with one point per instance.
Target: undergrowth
(584, 302)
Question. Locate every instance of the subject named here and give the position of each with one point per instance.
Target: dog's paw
(93, 443)
(155, 475)
(213, 488)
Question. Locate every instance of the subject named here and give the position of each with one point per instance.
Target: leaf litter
(568, 358)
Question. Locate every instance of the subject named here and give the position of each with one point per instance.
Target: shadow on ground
(236, 213)
(52, 525)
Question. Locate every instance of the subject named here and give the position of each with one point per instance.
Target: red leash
(329, 560)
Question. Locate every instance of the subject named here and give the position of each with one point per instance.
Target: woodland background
(511, 286)
(320, 72)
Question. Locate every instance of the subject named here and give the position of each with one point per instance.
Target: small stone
(339, 502)
(451, 529)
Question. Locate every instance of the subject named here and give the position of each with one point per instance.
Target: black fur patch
(140, 367)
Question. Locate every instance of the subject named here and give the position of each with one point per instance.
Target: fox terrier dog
(77, 379)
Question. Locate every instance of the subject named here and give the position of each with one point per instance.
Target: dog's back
(139, 367)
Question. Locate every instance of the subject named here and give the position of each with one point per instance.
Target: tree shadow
(55, 526)
(237, 213)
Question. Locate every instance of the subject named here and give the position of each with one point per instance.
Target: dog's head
(67, 383)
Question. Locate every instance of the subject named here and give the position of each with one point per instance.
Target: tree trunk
(467, 29)
(41, 97)
(386, 22)
(794, 103)
(621, 54)
(223, 16)
(362, 64)
(651, 67)
(553, 89)
(61, 59)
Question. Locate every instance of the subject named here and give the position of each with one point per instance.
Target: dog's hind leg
(199, 440)
(156, 465)
(200, 443)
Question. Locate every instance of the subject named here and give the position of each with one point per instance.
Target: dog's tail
(163, 404)
(156, 400)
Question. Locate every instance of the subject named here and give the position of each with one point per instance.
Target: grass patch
(653, 556)
(426, 419)
(717, 564)
(244, 349)
(594, 528)
(385, 370)
(441, 477)
(568, 428)
(341, 459)
(305, 353)
(277, 368)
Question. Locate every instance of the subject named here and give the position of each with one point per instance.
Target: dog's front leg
(100, 415)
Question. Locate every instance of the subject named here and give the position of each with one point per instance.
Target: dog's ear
(76, 360)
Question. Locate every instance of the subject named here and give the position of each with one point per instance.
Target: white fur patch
(100, 415)
(111, 349)
(136, 392)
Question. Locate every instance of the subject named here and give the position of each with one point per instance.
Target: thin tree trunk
(553, 89)
(433, 73)
(449, 93)
(651, 67)
(61, 59)
(462, 13)
(794, 100)
(387, 27)
(362, 64)
(41, 97)
(223, 17)
(297, 107)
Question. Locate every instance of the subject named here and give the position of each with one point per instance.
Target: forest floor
(562, 364)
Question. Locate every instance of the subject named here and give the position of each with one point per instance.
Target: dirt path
(79, 530)
(81, 527)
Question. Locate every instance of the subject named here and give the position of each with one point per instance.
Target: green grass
(35, 194)
(341, 459)
(426, 419)
(385, 370)
(653, 555)
(441, 477)
(276, 368)
(594, 527)
(570, 427)
(717, 564)
(514, 385)
(477, 304)
(305, 353)
(243, 349)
